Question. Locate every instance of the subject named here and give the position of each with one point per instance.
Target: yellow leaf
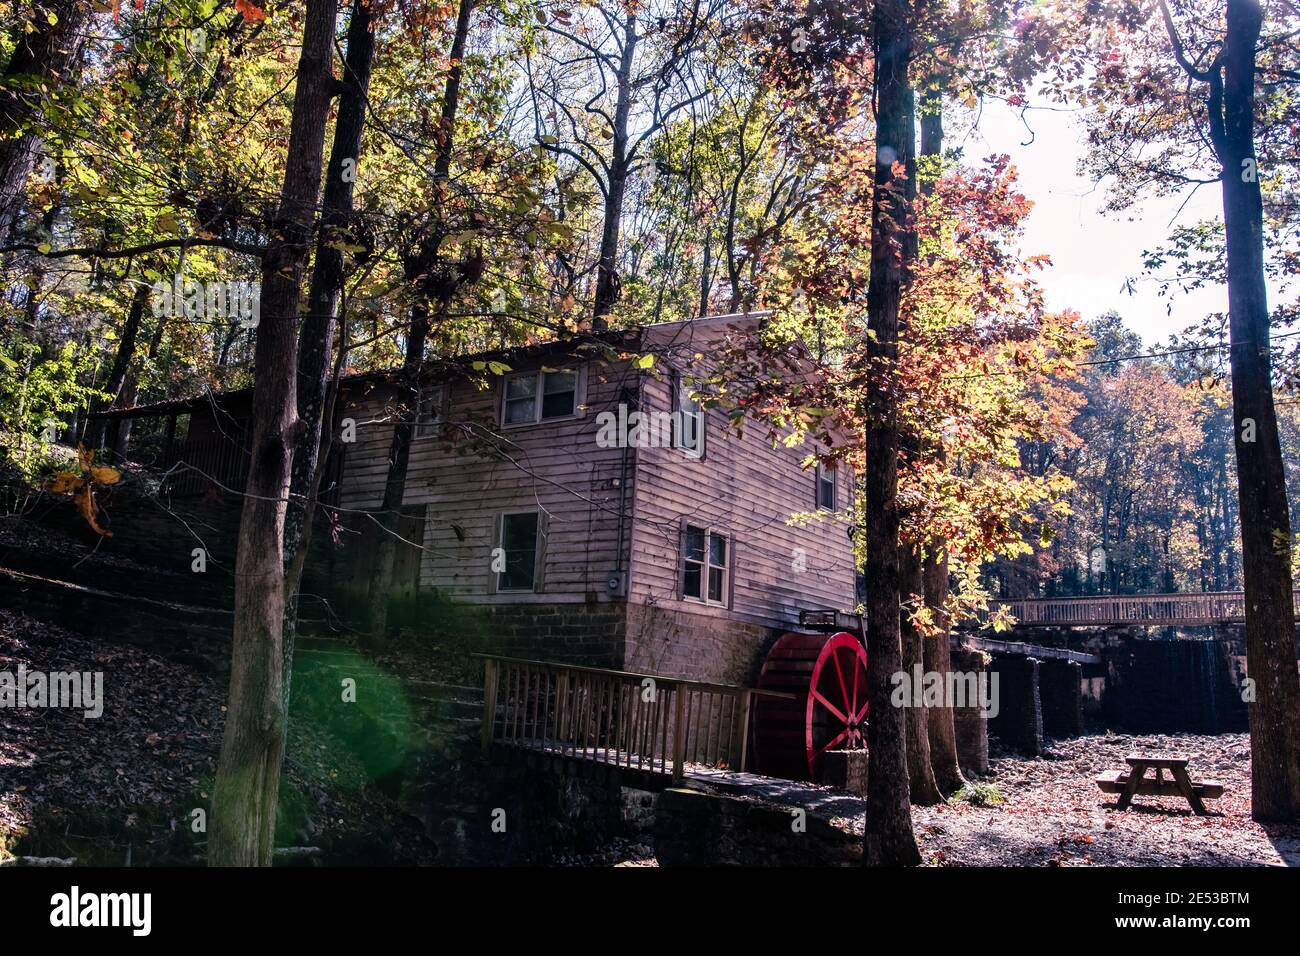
(63, 482)
(105, 475)
(85, 500)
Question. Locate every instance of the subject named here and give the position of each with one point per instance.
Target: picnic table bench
(1134, 781)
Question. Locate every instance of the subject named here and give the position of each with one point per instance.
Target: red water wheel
(827, 674)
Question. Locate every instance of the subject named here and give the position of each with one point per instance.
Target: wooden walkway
(640, 723)
(1157, 610)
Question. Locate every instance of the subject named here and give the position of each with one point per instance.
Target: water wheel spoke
(839, 672)
(839, 715)
(833, 741)
(854, 705)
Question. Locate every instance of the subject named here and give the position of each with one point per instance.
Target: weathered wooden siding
(749, 489)
(556, 466)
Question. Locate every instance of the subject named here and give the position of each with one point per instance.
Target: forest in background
(728, 176)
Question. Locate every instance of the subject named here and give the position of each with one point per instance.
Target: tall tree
(888, 837)
(434, 280)
(252, 746)
(934, 554)
(637, 60)
(45, 49)
(1229, 80)
(316, 342)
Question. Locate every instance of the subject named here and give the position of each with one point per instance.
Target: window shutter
(539, 562)
(494, 544)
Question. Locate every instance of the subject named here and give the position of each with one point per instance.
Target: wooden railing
(634, 721)
(1192, 608)
(197, 464)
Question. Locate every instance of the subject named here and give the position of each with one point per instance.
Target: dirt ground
(121, 788)
(1054, 815)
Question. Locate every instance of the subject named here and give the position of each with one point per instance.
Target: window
(826, 486)
(429, 416)
(517, 570)
(537, 396)
(704, 565)
(688, 423)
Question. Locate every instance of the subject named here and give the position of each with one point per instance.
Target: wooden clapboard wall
(466, 482)
(746, 488)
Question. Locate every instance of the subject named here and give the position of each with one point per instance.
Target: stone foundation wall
(693, 828)
(972, 727)
(588, 634)
(677, 643)
(1061, 689)
(1019, 722)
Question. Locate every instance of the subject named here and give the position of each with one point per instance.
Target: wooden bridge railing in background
(634, 721)
(199, 463)
(1192, 608)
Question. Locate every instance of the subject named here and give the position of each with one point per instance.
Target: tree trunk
(888, 837)
(399, 457)
(121, 364)
(418, 270)
(46, 54)
(131, 389)
(938, 654)
(252, 747)
(1261, 480)
(922, 786)
(607, 284)
(316, 343)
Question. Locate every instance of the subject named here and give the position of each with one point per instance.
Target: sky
(1092, 252)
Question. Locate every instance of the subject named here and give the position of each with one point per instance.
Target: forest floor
(1052, 813)
(122, 788)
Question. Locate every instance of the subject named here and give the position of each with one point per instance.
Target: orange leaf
(105, 475)
(251, 11)
(63, 482)
(85, 499)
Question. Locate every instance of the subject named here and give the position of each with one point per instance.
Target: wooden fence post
(489, 702)
(741, 731)
(679, 733)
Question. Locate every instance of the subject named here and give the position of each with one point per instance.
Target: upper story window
(688, 422)
(533, 397)
(705, 565)
(826, 486)
(429, 415)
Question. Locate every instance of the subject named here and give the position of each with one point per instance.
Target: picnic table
(1134, 781)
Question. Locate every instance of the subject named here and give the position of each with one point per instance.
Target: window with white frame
(519, 544)
(533, 397)
(688, 422)
(826, 486)
(429, 415)
(705, 565)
